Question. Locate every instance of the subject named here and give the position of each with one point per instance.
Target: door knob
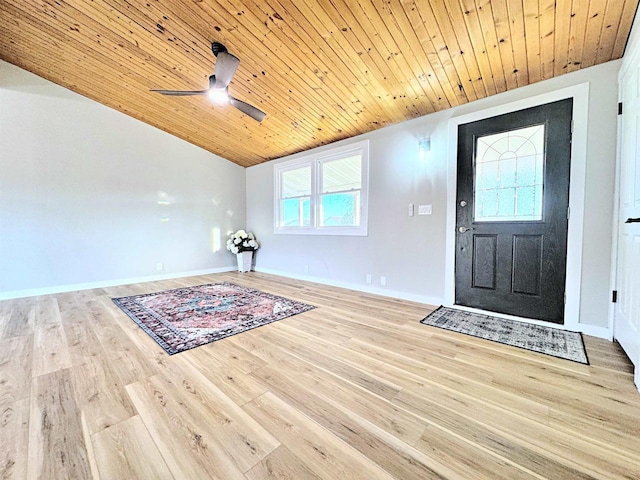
(633, 220)
(464, 229)
(463, 203)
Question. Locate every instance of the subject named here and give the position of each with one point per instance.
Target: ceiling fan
(226, 66)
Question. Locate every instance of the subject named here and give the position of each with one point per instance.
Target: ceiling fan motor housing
(217, 47)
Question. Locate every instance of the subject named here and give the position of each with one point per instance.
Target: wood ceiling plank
(595, 20)
(373, 57)
(532, 33)
(515, 13)
(500, 58)
(449, 20)
(432, 40)
(315, 24)
(408, 36)
(333, 61)
(612, 16)
(547, 22)
(377, 65)
(156, 40)
(71, 20)
(576, 34)
(624, 28)
(432, 70)
(505, 42)
(385, 37)
(561, 37)
(472, 24)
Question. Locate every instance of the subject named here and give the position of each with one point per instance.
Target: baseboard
(354, 286)
(108, 283)
(594, 331)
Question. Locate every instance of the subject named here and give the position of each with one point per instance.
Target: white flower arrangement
(242, 241)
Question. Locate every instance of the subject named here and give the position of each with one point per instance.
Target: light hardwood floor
(355, 389)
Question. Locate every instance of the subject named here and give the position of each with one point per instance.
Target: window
(323, 194)
(509, 176)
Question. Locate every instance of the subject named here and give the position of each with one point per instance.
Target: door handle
(633, 220)
(464, 229)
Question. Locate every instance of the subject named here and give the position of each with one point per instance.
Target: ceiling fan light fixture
(218, 95)
(226, 66)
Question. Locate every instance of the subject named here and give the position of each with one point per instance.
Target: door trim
(580, 95)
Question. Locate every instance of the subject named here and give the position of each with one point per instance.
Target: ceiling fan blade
(180, 92)
(226, 66)
(247, 109)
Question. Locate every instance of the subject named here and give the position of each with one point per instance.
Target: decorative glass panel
(509, 176)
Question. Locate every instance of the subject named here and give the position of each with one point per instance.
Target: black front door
(512, 212)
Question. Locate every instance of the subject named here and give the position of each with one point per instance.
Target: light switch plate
(424, 209)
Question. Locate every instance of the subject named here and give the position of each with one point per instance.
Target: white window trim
(315, 160)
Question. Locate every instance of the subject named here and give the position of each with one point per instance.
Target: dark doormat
(537, 338)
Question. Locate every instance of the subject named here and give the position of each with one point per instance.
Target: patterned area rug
(550, 341)
(185, 318)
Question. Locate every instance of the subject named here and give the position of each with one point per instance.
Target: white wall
(410, 251)
(84, 192)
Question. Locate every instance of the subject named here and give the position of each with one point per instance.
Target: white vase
(244, 261)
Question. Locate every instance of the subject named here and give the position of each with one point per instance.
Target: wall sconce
(424, 147)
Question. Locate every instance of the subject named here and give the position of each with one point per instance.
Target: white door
(627, 308)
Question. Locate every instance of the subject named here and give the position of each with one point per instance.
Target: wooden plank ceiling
(322, 70)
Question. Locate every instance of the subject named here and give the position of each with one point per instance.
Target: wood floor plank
(130, 362)
(50, 349)
(464, 456)
(16, 359)
(531, 444)
(236, 384)
(394, 455)
(17, 318)
(281, 464)
(326, 455)
(100, 394)
(356, 388)
(189, 450)
(126, 451)
(99, 391)
(14, 437)
(56, 442)
(244, 439)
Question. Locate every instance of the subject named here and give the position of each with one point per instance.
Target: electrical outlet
(411, 210)
(159, 266)
(306, 269)
(383, 281)
(368, 279)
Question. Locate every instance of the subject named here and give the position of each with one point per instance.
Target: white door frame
(580, 95)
